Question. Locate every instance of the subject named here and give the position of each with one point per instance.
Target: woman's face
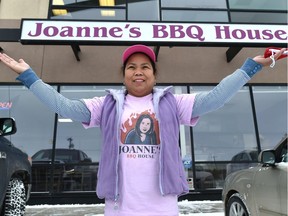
(139, 77)
(145, 125)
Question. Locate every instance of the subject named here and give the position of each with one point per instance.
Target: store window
(271, 111)
(194, 16)
(105, 10)
(259, 17)
(88, 9)
(194, 4)
(259, 4)
(263, 11)
(90, 14)
(35, 124)
(222, 134)
(143, 10)
(34, 121)
(222, 142)
(209, 176)
(78, 148)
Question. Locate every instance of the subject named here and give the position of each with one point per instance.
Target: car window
(63, 155)
(85, 155)
(245, 157)
(42, 155)
(254, 155)
(284, 154)
(81, 158)
(237, 157)
(67, 156)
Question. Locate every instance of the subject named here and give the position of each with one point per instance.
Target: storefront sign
(5, 105)
(94, 32)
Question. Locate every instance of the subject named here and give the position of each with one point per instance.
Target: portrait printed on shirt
(140, 128)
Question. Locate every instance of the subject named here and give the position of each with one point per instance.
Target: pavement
(186, 208)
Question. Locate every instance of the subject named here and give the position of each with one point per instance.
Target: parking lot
(186, 208)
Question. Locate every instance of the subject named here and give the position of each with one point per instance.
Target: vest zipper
(156, 108)
(117, 159)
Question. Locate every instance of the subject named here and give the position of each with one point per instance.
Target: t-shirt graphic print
(141, 128)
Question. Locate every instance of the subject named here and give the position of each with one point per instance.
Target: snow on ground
(186, 208)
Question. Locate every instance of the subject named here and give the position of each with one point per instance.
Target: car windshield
(65, 155)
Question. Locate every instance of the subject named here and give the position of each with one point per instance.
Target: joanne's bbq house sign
(85, 32)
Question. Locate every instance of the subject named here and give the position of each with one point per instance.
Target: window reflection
(242, 160)
(91, 13)
(259, 17)
(208, 176)
(35, 125)
(194, 4)
(223, 133)
(88, 2)
(259, 5)
(72, 170)
(79, 148)
(223, 141)
(271, 110)
(143, 10)
(73, 133)
(194, 16)
(34, 121)
(88, 9)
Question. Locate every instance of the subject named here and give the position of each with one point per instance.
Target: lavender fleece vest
(172, 179)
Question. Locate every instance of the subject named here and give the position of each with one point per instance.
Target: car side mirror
(267, 157)
(7, 126)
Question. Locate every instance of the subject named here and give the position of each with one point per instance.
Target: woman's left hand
(268, 61)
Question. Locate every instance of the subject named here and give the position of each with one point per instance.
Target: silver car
(261, 190)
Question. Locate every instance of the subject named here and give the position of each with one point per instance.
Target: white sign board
(150, 32)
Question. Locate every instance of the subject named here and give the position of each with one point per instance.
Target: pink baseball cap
(138, 49)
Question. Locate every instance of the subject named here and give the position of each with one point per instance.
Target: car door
(283, 166)
(270, 188)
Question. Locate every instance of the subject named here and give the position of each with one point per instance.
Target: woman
(140, 179)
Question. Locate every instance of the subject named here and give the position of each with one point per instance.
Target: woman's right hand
(18, 67)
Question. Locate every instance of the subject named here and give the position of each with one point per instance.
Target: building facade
(66, 156)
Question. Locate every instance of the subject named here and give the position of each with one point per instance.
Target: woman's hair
(152, 63)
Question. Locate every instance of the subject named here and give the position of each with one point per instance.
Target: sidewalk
(187, 208)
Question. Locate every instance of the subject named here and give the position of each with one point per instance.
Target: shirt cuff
(28, 77)
(250, 67)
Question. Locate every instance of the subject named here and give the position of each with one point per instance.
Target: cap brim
(138, 49)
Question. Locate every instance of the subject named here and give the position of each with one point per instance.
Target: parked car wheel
(15, 199)
(236, 206)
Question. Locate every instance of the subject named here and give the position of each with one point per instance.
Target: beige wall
(17, 9)
(101, 64)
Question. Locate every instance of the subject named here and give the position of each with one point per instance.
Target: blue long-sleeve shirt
(204, 102)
